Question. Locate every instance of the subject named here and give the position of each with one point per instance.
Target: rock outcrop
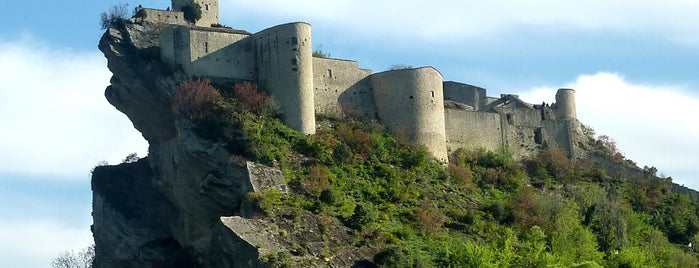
(184, 205)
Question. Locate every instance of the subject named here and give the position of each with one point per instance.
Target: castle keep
(415, 102)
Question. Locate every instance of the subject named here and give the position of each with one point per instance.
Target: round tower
(209, 10)
(285, 69)
(565, 103)
(410, 102)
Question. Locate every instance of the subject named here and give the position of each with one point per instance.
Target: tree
(131, 158)
(249, 98)
(610, 223)
(71, 259)
(115, 17)
(319, 53)
(567, 232)
(610, 147)
(192, 13)
(195, 99)
(395, 67)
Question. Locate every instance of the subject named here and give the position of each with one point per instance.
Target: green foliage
(550, 162)
(280, 259)
(266, 200)
(478, 211)
(567, 231)
(192, 13)
(461, 253)
(320, 53)
(392, 257)
(679, 220)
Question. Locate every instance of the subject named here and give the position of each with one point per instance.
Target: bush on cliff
(115, 17)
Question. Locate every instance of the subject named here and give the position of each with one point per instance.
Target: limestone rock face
(184, 205)
(132, 219)
(161, 210)
(141, 85)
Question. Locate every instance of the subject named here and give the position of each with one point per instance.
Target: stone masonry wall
(472, 130)
(464, 93)
(161, 16)
(341, 84)
(221, 54)
(209, 52)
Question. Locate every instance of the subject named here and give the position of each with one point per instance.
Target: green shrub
(319, 53)
(192, 13)
(392, 257)
(395, 67)
(328, 196)
(265, 201)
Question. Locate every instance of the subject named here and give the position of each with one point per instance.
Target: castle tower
(209, 10)
(565, 101)
(285, 69)
(411, 102)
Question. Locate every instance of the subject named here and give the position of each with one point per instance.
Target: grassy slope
(484, 209)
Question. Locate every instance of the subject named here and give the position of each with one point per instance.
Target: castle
(415, 102)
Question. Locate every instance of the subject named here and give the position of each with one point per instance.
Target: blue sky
(632, 63)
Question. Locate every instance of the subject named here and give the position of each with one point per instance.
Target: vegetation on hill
(482, 210)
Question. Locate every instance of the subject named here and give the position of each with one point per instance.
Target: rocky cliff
(184, 205)
(192, 203)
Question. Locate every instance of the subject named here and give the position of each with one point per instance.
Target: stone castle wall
(341, 86)
(410, 102)
(520, 127)
(285, 69)
(210, 52)
(464, 93)
(161, 16)
(472, 130)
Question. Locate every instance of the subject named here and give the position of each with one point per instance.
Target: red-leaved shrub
(249, 98)
(195, 99)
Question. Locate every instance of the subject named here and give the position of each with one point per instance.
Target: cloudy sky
(633, 64)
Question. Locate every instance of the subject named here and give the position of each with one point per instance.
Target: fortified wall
(415, 102)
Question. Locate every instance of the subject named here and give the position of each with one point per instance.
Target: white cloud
(54, 115)
(653, 125)
(452, 20)
(35, 244)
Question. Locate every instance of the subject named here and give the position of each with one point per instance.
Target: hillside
(227, 184)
